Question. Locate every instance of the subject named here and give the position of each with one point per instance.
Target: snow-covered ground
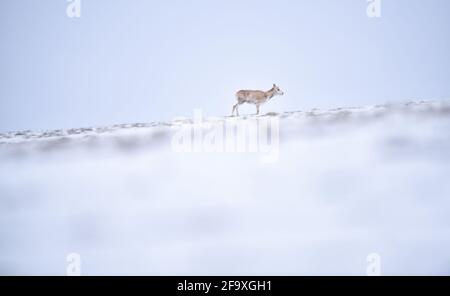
(345, 183)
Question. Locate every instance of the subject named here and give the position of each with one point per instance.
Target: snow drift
(346, 183)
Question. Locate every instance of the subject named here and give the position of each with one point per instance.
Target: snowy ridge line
(130, 136)
(422, 107)
(74, 132)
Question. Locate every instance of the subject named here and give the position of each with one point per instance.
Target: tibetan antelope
(256, 97)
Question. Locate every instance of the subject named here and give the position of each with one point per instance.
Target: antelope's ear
(274, 85)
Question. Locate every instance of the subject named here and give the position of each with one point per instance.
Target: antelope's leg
(240, 102)
(257, 109)
(235, 107)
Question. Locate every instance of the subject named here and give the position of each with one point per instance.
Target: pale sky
(142, 60)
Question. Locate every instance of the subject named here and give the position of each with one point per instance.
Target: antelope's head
(277, 90)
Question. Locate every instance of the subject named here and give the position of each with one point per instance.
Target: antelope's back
(252, 96)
